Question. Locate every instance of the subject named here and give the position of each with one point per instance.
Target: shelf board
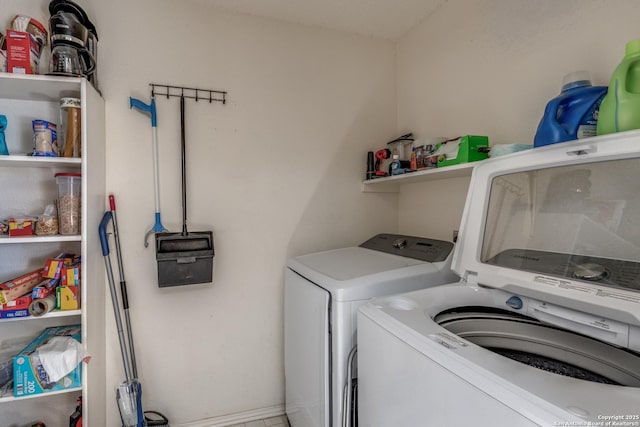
(40, 162)
(7, 240)
(50, 315)
(36, 87)
(11, 398)
(391, 184)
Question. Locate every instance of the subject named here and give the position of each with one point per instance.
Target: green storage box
(468, 148)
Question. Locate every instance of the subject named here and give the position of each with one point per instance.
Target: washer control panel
(429, 250)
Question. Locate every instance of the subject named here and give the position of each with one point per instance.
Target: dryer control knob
(515, 303)
(399, 243)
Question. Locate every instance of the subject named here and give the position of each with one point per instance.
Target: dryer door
(306, 352)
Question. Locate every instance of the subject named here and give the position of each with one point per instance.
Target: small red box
(21, 303)
(20, 227)
(23, 53)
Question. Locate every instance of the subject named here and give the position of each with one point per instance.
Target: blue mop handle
(102, 231)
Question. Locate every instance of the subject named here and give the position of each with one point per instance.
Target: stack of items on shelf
(50, 362)
(23, 45)
(64, 220)
(54, 287)
(425, 153)
(582, 110)
(50, 139)
(74, 43)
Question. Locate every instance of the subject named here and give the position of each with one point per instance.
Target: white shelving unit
(391, 184)
(28, 185)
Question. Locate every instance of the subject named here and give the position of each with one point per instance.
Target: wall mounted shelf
(391, 184)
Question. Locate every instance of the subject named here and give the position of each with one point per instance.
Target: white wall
(489, 67)
(276, 172)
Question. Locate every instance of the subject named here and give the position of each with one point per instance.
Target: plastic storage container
(620, 109)
(68, 202)
(70, 141)
(573, 114)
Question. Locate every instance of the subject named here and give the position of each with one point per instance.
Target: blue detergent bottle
(573, 114)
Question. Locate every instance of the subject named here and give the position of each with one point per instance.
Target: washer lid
(359, 273)
(560, 223)
(349, 263)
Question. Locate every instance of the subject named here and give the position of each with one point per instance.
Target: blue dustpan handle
(151, 109)
(102, 231)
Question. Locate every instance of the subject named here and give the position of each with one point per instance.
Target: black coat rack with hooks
(188, 92)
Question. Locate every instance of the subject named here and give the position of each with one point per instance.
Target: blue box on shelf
(30, 377)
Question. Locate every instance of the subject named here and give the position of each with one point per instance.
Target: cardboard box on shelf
(44, 288)
(68, 297)
(466, 149)
(14, 314)
(21, 226)
(23, 53)
(29, 375)
(18, 303)
(54, 267)
(19, 307)
(19, 286)
(70, 276)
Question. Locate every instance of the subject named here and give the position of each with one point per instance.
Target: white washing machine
(544, 327)
(322, 294)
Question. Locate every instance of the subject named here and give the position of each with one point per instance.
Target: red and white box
(19, 286)
(23, 53)
(20, 303)
(19, 307)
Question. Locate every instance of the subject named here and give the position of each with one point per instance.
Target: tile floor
(280, 421)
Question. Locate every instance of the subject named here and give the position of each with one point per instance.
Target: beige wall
(274, 173)
(488, 67)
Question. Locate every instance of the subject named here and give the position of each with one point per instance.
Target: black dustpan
(184, 258)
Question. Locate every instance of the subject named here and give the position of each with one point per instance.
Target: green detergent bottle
(620, 109)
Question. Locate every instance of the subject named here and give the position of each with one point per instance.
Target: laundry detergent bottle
(573, 114)
(620, 109)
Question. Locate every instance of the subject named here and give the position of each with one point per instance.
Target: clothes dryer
(322, 294)
(543, 329)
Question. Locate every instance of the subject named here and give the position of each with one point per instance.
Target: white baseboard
(238, 418)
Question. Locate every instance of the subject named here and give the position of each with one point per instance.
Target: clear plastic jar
(69, 206)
